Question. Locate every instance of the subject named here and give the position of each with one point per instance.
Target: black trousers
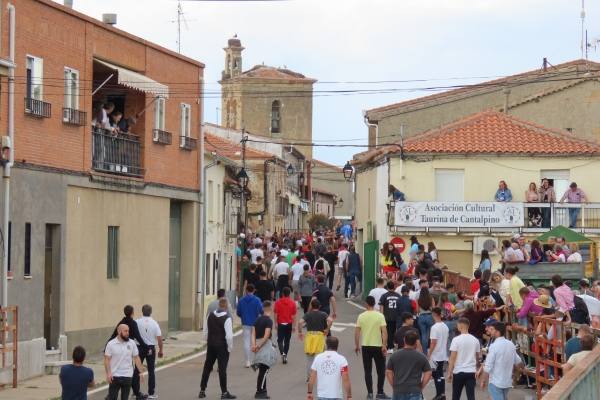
(370, 354)
(119, 384)
(305, 302)
(330, 277)
(221, 355)
(282, 281)
(391, 331)
(261, 381)
(148, 354)
(284, 334)
(438, 378)
(466, 380)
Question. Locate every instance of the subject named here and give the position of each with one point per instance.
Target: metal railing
(187, 143)
(74, 117)
(116, 154)
(37, 108)
(161, 137)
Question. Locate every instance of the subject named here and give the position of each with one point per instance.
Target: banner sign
(448, 214)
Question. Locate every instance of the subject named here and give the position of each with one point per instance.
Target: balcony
(116, 154)
(491, 217)
(187, 143)
(74, 117)
(161, 137)
(37, 108)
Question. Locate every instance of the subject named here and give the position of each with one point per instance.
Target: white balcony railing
(492, 216)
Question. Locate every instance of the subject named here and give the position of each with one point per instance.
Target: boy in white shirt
(437, 354)
(465, 350)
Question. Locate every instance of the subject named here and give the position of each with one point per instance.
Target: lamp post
(290, 169)
(348, 171)
(242, 179)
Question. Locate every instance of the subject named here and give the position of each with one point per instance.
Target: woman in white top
(575, 256)
(501, 284)
(432, 250)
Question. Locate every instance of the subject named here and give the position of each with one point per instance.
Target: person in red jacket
(285, 311)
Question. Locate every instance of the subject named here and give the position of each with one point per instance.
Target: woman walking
(425, 320)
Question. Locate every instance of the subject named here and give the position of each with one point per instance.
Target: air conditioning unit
(488, 243)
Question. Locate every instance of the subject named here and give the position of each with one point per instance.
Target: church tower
(272, 102)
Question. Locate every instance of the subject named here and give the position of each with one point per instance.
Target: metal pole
(244, 199)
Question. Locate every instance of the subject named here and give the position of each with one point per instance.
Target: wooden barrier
(9, 340)
(460, 282)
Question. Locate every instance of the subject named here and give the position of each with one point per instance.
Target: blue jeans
(407, 396)
(425, 322)
(573, 214)
(498, 393)
(351, 281)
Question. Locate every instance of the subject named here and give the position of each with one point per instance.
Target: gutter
(369, 125)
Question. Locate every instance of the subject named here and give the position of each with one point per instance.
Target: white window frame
(186, 125)
(36, 81)
(160, 108)
(457, 193)
(71, 93)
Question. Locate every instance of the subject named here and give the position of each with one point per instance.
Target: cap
(490, 321)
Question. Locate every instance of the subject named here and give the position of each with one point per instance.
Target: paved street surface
(182, 381)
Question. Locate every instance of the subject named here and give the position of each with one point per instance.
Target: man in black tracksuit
(219, 343)
(389, 304)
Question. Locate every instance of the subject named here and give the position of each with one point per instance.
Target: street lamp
(290, 169)
(340, 202)
(242, 178)
(348, 171)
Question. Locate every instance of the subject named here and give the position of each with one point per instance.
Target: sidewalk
(178, 345)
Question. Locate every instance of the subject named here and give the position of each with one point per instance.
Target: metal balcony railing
(37, 108)
(161, 137)
(74, 117)
(187, 143)
(537, 217)
(116, 154)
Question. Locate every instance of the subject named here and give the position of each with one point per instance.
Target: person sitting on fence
(587, 345)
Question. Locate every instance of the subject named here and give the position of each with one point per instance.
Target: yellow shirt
(370, 323)
(515, 285)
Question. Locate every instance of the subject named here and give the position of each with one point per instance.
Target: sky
(354, 44)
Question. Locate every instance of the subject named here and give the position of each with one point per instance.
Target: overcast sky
(364, 41)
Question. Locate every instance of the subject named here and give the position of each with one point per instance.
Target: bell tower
(233, 58)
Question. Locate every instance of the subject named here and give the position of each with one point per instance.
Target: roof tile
(232, 150)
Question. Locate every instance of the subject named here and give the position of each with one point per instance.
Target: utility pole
(179, 14)
(244, 200)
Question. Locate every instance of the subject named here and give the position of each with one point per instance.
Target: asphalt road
(182, 381)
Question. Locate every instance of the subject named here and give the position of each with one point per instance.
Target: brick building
(98, 218)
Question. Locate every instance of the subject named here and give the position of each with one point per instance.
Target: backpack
(580, 313)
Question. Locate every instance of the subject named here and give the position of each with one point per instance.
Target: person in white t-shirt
(297, 271)
(342, 255)
(255, 253)
(330, 371)
(119, 356)
(150, 332)
(465, 350)
(281, 275)
(378, 292)
(437, 353)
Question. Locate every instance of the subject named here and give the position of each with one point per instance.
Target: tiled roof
(267, 72)
(571, 66)
(491, 132)
(232, 150)
(320, 163)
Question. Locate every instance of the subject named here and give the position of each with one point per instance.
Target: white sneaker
(153, 396)
(247, 364)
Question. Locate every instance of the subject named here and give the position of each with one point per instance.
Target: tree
(320, 221)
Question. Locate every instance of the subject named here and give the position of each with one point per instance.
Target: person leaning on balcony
(115, 119)
(125, 124)
(574, 196)
(547, 195)
(503, 193)
(587, 345)
(534, 214)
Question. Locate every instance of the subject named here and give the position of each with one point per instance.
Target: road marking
(356, 305)
(180, 361)
(337, 329)
(346, 324)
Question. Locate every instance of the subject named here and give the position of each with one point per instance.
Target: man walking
(437, 353)
(353, 268)
(389, 303)
(408, 370)
(219, 343)
(464, 353)
(325, 297)
(285, 311)
(501, 359)
(150, 333)
(281, 274)
(248, 309)
(120, 355)
(370, 339)
(330, 371)
(377, 292)
(317, 326)
(75, 379)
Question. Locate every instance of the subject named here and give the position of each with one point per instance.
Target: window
(560, 179)
(276, 117)
(449, 185)
(71, 88)
(159, 113)
(35, 68)
(186, 117)
(27, 255)
(112, 258)
(210, 202)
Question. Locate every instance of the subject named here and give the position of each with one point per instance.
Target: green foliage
(320, 221)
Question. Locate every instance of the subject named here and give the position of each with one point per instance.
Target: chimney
(109, 19)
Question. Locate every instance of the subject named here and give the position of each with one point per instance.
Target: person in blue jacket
(503, 193)
(249, 309)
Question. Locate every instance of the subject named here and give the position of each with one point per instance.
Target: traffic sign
(399, 244)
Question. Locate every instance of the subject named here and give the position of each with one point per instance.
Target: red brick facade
(66, 38)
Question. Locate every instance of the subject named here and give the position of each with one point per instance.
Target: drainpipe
(370, 125)
(202, 251)
(201, 197)
(11, 159)
(265, 188)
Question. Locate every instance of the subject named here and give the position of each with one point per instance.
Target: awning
(293, 199)
(137, 81)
